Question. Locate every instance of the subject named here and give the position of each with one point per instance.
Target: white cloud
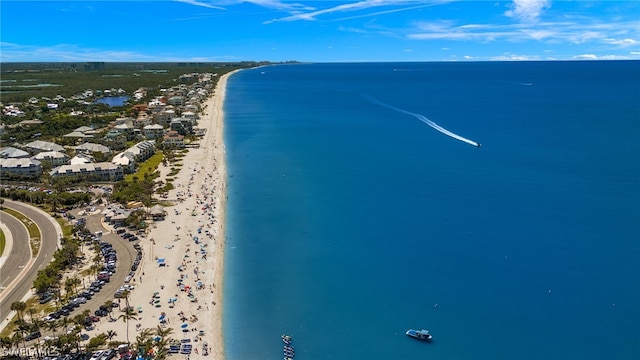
(357, 6)
(280, 5)
(620, 42)
(67, 52)
(586, 57)
(200, 3)
(513, 57)
(599, 57)
(527, 11)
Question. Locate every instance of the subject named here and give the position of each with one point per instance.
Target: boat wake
(424, 119)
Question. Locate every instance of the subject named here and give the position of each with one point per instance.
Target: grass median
(34, 232)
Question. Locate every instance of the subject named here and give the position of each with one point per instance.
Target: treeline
(69, 79)
(41, 197)
(63, 259)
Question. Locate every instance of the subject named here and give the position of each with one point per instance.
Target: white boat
(419, 334)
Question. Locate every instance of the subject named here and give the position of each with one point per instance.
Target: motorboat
(419, 334)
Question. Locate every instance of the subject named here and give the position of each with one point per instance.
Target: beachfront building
(53, 158)
(157, 212)
(104, 171)
(190, 115)
(38, 146)
(173, 139)
(130, 158)
(13, 153)
(153, 131)
(126, 160)
(20, 168)
(143, 150)
(182, 125)
(164, 117)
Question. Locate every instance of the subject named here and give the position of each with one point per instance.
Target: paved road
(20, 253)
(126, 255)
(49, 244)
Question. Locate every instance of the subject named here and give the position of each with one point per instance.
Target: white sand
(202, 181)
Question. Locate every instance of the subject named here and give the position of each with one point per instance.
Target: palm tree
(162, 343)
(144, 342)
(111, 334)
(75, 281)
(129, 314)
(51, 326)
(163, 333)
(19, 307)
(6, 342)
(64, 322)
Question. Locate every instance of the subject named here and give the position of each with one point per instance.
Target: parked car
(101, 312)
(97, 355)
(32, 336)
(45, 298)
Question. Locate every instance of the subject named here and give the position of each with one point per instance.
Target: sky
(318, 31)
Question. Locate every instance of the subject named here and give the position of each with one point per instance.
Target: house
(142, 120)
(54, 158)
(164, 117)
(183, 126)
(126, 129)
(143, 150)
(190, 115)
(83, 129)
(82, 158)
(173, 139)
(103, 171)
(37, 146)
(126, 160)
(13, 153)
(153, 131)
(115, 140)
(22, 167)
(134, 155)
(90, 148)
(176, 101)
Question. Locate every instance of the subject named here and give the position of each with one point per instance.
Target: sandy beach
(179, 282)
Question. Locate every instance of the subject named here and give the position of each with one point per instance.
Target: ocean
(359, 207)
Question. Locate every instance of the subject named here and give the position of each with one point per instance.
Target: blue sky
(318, 31)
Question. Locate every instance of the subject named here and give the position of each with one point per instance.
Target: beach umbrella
(161, 317)
(184, 326)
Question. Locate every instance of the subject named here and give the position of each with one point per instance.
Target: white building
(37, 146)
(55, 158)
(20, 167)
(153, 131)
(103, 171)
(13, 153)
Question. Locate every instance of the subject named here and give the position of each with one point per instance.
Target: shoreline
(184, 290)
(217, 101)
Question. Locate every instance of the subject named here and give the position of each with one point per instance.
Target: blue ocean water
(349, 222)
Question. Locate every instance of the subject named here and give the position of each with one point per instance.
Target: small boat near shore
(422, 335)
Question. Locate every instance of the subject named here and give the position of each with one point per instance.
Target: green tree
(19, 307)
(128, 315)
(111, 334)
